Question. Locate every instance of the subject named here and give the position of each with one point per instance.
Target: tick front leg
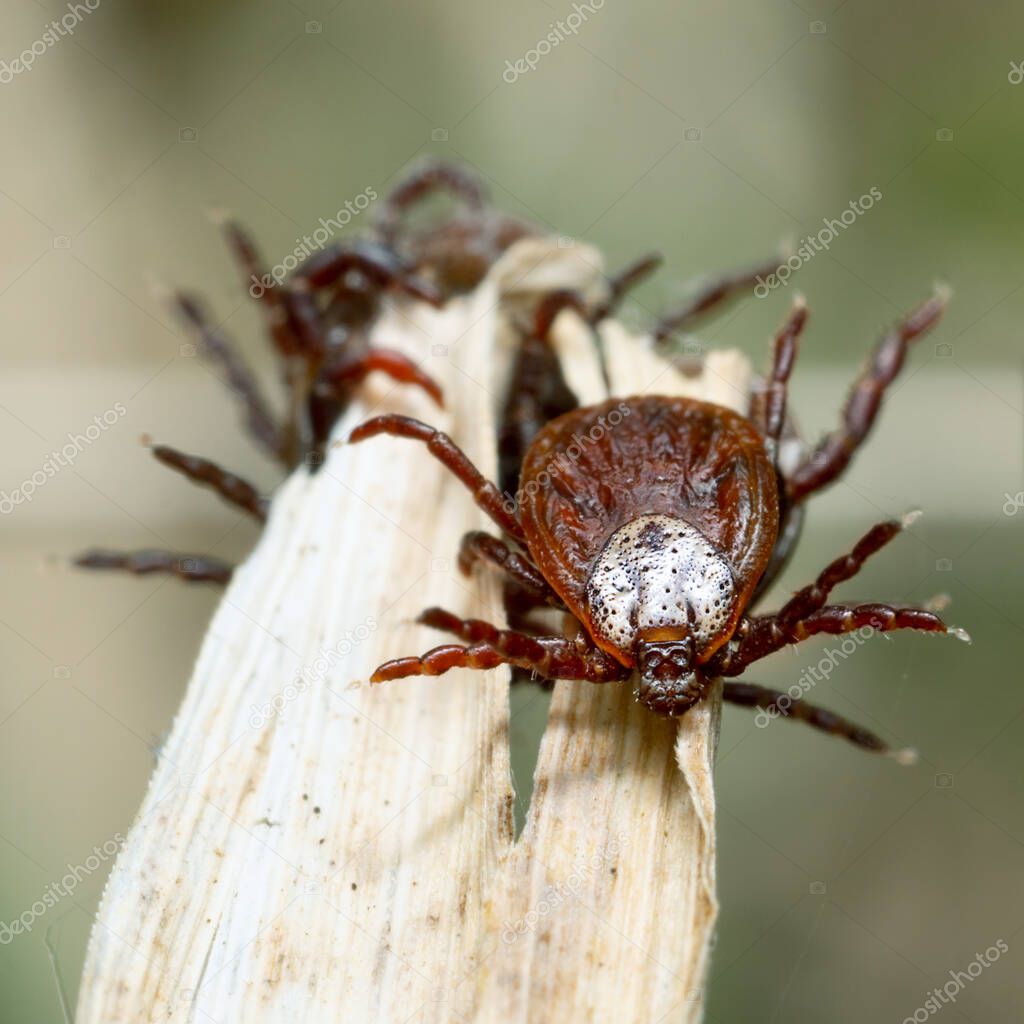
(775, 702)
(553, 657)
(812, 597)
(452, 457)
(479, 546)
(833, 454)
(767, 634)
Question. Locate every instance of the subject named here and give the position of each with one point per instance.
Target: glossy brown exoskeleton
(654, 522)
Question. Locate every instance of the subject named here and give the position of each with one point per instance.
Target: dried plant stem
(312, 849)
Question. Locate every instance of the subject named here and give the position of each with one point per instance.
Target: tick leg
(479, 546)
(233, 489)
(767, 634)
(553, 657)
(352, 369)
(191, 568)
(834, 452)
(450, 455)
(621, 283)
(261, 422)
(711, 296)
(775, 702)
(768, 410)
(814, 596)
(428, 177)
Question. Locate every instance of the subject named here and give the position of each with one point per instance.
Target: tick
(655, 523)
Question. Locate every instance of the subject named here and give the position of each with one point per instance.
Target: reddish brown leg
(452, 457)
(621, 283)
(191, 568)
(711, 297)
(350, 370)
(478, 545)
(814, 596)
(775, 702)
(261, 421)
(768, 635)
(379, 264)
(833, 454)
(428, 177)
(769, 409)
(233, 489)
(553, 657)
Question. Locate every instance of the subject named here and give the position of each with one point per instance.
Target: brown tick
(658, 533)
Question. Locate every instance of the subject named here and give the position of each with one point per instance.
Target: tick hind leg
(553, 657)
(775, 702)
(452, 457)
(834, 452)
(716, 293)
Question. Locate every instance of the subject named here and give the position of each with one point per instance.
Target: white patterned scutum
(659, 572)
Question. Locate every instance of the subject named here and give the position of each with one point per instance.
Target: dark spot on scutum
(353, 886)
(316, 810)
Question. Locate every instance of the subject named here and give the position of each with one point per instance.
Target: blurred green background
(850, 887)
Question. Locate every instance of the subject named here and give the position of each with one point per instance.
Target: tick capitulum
(658, 535)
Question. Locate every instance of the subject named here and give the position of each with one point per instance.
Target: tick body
(656, 522)
(662, 520)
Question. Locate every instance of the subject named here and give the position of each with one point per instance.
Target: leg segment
(261, 422)
(624, 281)
(423, 180)
(233, 489)
(833, 454)
(479, 546)
(775, 702)
(768, 635)
(448, 453)
(553, 657)
(191, 568)
(813, 597)
(769, 409)
(713, 295)
(352, 369)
